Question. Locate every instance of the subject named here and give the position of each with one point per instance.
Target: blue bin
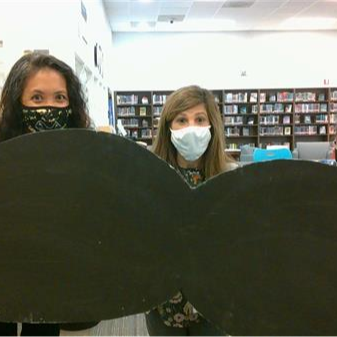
(272, 154)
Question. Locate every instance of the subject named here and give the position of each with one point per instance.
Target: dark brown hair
(10, 102)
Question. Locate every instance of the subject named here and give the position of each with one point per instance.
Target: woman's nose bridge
(50, 101)
(191, 121)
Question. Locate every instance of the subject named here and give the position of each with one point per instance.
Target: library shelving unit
(240, 113)
(218, 95)
(134, 110)
(255, 117)
(276, 117)
(311, 115)
(332, 113)
(158, 100)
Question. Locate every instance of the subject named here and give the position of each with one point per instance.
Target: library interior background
(270, 64)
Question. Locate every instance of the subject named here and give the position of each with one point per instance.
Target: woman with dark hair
(20, 97)
(41, 93)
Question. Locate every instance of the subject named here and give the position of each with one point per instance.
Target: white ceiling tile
(263, 13)
(321, 9)
(176, 4)
(144, 11)
(204, 9)
(173, 11)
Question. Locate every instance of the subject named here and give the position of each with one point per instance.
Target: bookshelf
(256, 117)
(134, 110)
(158, 101)
(240, 113)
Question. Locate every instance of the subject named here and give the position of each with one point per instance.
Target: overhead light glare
(209, 25)
(308, 23)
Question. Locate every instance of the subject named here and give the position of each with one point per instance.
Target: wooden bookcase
(258, 117)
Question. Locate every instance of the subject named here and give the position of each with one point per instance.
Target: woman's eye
(37, 98)
(61, 97)
(181, 120)
(201, 120)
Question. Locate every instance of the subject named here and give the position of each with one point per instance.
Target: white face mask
(191, 142)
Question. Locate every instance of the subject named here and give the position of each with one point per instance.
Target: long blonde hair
(214, 160)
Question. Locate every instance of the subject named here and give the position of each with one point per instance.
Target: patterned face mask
(45, 118)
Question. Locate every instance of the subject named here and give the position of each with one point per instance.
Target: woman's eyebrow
(37, 91)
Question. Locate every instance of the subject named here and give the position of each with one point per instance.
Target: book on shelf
(262, 97)
(323, 118)
(145, 123)
(287, 130)
(332, 129)
(243, 109)
(240, 97)
(126, 111)
(271, 131)
(269, 119)
(286, 119)
(306, 130)
(305, 96)
(322, 130)
(231, 109)
(253, 97)
(156, 121)
(267, 108)
(157, 110)
(324, 107)
(250, 120)
(216, 98)
(127, 99)
(147, 133)
(237, 120)
(159, 99)
(245, 131)
(142, 111)
(333, 107)
(321, 96)
(232, 131)
(285, 96)
(272, 98)
(334, 95)
(278, 108)
(333, 118)
(145, 100)
(307, 119)
(288, 108)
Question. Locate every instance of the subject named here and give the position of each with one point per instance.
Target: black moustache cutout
(95, 227)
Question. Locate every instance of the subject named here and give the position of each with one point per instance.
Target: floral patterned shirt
(178, 312)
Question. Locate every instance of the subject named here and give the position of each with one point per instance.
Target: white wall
(57, 26)
(159, 61)
(96, 31)
(29, 25)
